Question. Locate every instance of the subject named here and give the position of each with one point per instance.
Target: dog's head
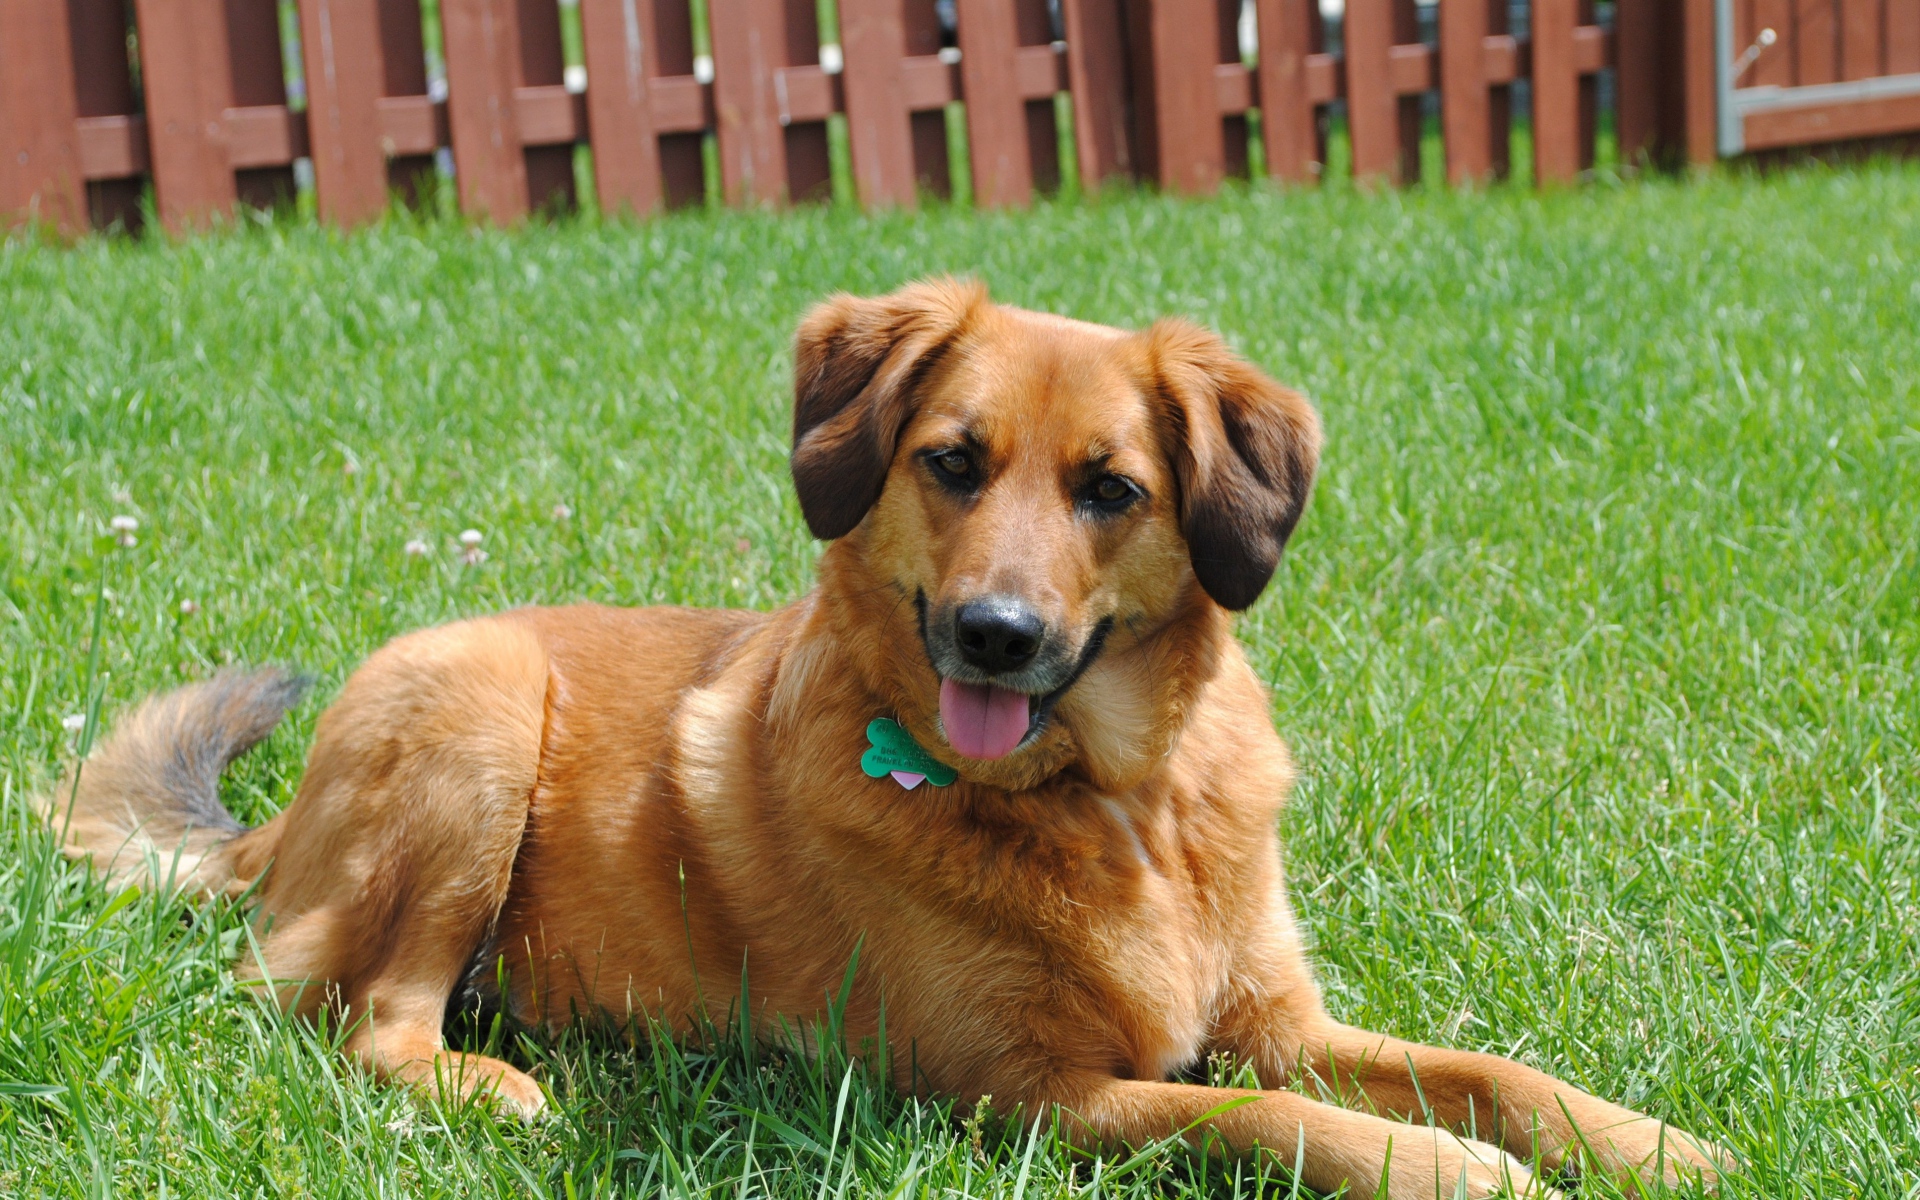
(1035, 514)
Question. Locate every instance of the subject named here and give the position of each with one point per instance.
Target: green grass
(1597, 646)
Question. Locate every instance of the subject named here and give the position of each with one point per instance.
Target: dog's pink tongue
(982, 721)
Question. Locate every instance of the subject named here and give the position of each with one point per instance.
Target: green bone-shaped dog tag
(894, 752)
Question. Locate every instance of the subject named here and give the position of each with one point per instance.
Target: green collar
(892, 751)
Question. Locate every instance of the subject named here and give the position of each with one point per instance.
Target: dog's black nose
(998, 633)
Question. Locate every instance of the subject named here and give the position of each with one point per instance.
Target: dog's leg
(1534, 1116)
(396, 857)
(1334, 1147)
(1525, 1110)
(400, 1040)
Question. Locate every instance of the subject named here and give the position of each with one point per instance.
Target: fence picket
(1290, 31)
(184, 74)
(771, 99)
(616, 36)
(1556, 101)
(1384, 125)
(40, 175)
(1861, 38)
(1466, 116)
(1903, 38)
(996, 111)
(1176, 47)
(1105, 130)
(880, 131)
(482, 44)
(345, 69)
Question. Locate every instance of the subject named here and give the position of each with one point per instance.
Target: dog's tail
(149, 794)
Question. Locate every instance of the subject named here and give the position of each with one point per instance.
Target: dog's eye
(1111, 493)
(953, 468)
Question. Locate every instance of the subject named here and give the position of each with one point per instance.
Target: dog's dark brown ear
(856, 366)
(1244, 450)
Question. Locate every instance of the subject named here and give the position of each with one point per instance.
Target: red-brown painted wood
(932, 162)
(1174, 49)
(1033, 30)
(346, 75)
(1903, 37)
(186, 79)
(40, 177)
(1649, 80)
(616, 37)
(873, 41)
(482, 44)
(762, 159)
(1701, 111)
(1290, 32)
(1863, 38)
(1556, 93)
(1383, 125)
(103, 89)
(263, 178)
(1465, 117)
(1816, 41)
(1105, 130)
(403, 67)
(683, 168)
(1775, 66)
(550, 179)
(1832, 122)
(996, 113)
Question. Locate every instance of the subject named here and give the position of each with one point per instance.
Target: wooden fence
(191, 96)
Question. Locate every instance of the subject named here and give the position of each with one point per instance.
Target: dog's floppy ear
(856, 365)
(1244, 450)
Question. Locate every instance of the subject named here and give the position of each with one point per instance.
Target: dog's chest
(1109, 928)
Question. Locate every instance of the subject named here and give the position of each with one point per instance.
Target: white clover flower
(561, 512)
(472, 555)
(189, 607)
(123, 527)
(471, 538)
(416, 548)
(73, 722)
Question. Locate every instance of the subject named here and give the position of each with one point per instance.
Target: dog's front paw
(1646, 1150)
(1462, 1167)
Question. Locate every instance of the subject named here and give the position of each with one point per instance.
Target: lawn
(1596, 647)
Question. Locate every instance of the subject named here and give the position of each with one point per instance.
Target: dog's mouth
(985, 720)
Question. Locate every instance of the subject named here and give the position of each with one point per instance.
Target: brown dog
(1038, 529)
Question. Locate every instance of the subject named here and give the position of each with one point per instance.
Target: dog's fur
(620, 804)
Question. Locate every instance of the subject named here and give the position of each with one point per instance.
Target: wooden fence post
(1290, 31)
(357, 52)
(40, 177)
(1474, 123)
(617, 37)
(1384, 125)
(186, 78)
(1175, 46)
(771, 100)
(482, 51)
(880, 132)
(1104, 122)
(1556, 117)
(1702, 110)
(996, 126)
